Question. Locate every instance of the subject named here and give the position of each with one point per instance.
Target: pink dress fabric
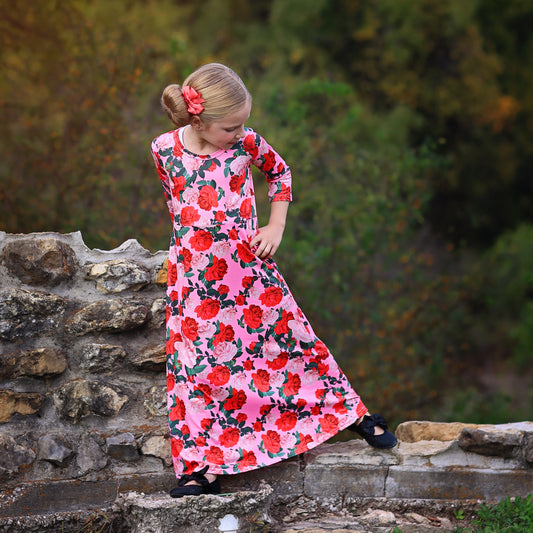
(249, 383)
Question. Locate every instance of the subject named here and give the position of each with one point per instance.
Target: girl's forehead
(238, 117)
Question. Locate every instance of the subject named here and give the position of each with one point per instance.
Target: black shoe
(366, 429)
(195, 490)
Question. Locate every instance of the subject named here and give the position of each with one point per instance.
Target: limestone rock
(161, 274)
(45, 262)
(414, 431)
(99, 358)
(32, 363)
(527, 448)
(13, 456)
(23, 403)
(378, 517)
(159, 312)
(150, 358)
(79, 399)
(29, 313)
(53, 449)
(89, 457)
(122, 447)
(118, 275)
(109, 315)
(156, 401)
(145, 513)
(158, 446)
(490, 441)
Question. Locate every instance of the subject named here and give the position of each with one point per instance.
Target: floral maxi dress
(249, 384)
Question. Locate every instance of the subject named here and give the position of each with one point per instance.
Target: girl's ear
(196, 123)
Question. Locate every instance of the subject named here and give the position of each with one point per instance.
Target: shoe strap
(370, 422)
(199, 477)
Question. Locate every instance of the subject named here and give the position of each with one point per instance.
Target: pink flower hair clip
(193, 99)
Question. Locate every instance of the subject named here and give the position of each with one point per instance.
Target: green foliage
(401, 120)
(509, 290)
(508, 516)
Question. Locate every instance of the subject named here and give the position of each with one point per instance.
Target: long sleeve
(272, 165)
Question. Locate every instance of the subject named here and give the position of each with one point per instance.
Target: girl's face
(224, 133)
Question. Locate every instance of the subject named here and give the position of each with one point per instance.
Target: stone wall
(83, 420)
(82, 358)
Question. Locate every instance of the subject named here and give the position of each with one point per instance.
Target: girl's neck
(195, 143)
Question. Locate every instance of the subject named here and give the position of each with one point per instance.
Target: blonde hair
(223, 91)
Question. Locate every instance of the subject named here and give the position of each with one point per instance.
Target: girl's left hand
(267, 241)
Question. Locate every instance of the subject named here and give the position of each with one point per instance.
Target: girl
(249, 383)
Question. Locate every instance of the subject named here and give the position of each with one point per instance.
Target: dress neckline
(185, 149)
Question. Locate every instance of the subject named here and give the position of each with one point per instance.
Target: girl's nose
(240, 133)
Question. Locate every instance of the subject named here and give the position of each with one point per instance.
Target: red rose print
(247, 281)
(233, 234)
(201, 240)
(301, 403)
(172, 274)
(189, 216)
(271, 441)
(287, 421)
(293, 384)
(244, 253)
(242, 417)
(272, 296)
(279, 362)
(248, 459)
(179, 184)
(187, 256)
(340, 407)
(214, 455)
(322, 369)
(190, 328)
(207, 198)
(205, 389)
(320, 393)
(329, 423)
(171, 382)
(246, 208)
(253, 316)
(220, 216)
(248, 365)
(321, 350)
(302, 447)
(282, 326)
(219, 375)
(229, 437)
(206, 423)
(284, 194)
(226, 334)
(258, 426)
(269, 160)
(185, 430)
(217, 270)
(176, 445)
(250, 146)
(261, 380)
(265, 409)
(223, 289)
(315, 410)
(209, 308)
(240, 299)
(178, 411)
(190, 466)
(236, 182)
(235, 401)
(200, 441)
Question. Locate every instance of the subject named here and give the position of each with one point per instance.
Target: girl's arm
(269, 237)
